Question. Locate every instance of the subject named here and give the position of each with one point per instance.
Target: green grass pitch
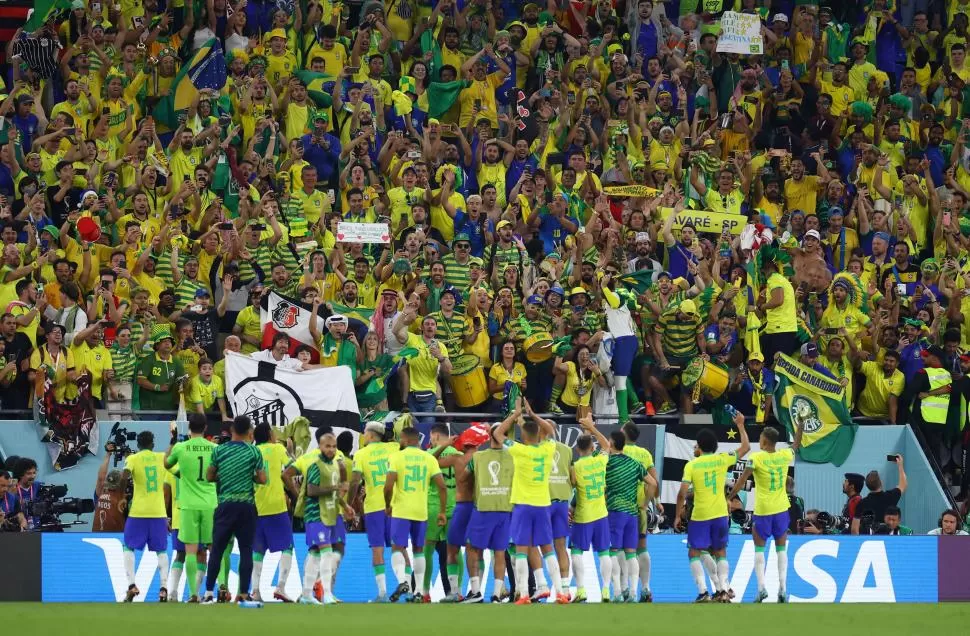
(149, 619)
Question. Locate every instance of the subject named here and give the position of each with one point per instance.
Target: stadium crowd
(584, 199)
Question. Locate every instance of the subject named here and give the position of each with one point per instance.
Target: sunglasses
(463, 246)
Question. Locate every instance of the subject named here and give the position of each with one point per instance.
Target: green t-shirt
(160, 372)
(623, 477)
(193, 457)
(450, 482)
(236, 464)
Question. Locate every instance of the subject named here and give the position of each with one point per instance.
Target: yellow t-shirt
(533, 465)
(483, 92)
(874, 398)
(95, 361)
(147, 470)
(707, 475)
(574, 392)
(423, 368)
(205, 394)
(372, 462)
(590, 472)
(279, 68)
(501, 375)
(415, 469)
(802, 195)
(61, 365)
(841, 96)
(770, 472)
(248, 322)
(270, 497)
(781, 319)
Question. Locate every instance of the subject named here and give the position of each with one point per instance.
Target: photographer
(949, 525)
(25, 473)
(11, 517)
(852, 488)
(810, 524)
(878, 501)
(111, 504)
(891, 525)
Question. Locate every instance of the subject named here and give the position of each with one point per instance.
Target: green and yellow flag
(317, 87)
(817, 402)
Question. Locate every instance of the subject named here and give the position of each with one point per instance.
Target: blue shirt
(552, 232)
(713, 334)
(911, 360)
(647, 42)
(464, 225)
(677, 258)
(323, 159)
(28, 128)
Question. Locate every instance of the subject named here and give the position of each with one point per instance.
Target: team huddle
(482, 491)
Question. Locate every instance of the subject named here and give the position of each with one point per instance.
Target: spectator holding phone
(874, 506)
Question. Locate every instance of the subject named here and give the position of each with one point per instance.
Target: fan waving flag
(280, 313)
(43, 11)
(805, 396)
(319, 87)
(206, 69)
(270, 395)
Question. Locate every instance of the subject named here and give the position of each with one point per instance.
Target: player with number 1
(707, 530)
(147, 523)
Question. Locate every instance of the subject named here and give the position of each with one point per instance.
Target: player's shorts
(378, 529)
(318, 534)
(559, 517)
(489, 530)
(458, 526)
(195, 526)
(177, 546)
(144, 531)
(624, 351)
(434, 532)
(531, 525)
(340, 531)
(771, 526)
(401, 529)
(595, 533)
(711, 534)
(274, 533)
(624, 533)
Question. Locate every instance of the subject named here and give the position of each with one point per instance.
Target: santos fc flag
(271, 395)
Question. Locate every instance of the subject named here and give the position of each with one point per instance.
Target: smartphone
(353, 70)
(225, 225)
(901, 289)
(571, 97)
(726, 120)
(478, 102)
(947, 217)
(259, 227)
(108, 324)
(831, 331)
(892, 458)
(687, 142)
(70, 131)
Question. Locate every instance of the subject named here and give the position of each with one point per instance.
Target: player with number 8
(147, 523)
(707, 530)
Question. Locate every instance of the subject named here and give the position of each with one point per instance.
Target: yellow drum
(707, 378)
(538, 347)
(468, 381)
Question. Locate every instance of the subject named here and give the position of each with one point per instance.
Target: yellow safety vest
(934, 407)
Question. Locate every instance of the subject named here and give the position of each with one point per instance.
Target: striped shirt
(237, 463)
(456, 274)
(123, 362)
(451, 331)
(518, 329)
(679, 337)
(623, 477)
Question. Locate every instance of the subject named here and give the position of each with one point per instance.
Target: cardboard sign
(740, 33)
(363, 233)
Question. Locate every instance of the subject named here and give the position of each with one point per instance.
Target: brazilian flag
(816, 402)
(206, 69)
(639, 281)
(319, 86)
(43, 11)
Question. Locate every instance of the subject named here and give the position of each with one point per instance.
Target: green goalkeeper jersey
(450, 482)
(193, 457)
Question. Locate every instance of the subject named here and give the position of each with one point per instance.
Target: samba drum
(468, 381)
(706, 378)
(538, 347)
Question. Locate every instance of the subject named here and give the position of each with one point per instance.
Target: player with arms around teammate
(324, 481)
(236, 467)
(461, 514)
(436, 540)
(770, 469)
(274, 528)
(707, 530)
(624, 475)
(531, 523)
(645, 457)
(371, 464)
(409, 478)
(590, 523)
(196, 498)
(488, 527)
(147, 523)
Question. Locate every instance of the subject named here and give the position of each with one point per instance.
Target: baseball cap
(502, 223)
(336, 319)
(277, 33)
(756, 356)
(780, 17)
(202, 293)
(934, 350)
(534, 299)
(688, 307)
(321, 115)
(836, 211)
(810, 349)
(813, 234)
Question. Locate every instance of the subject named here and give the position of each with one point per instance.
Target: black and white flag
(679, 443)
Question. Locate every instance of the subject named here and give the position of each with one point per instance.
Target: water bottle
(730, 410)
(250, 604)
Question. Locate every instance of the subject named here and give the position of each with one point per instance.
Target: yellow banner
(706, 221)
(631, 191)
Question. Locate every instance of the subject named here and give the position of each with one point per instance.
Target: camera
(743, 519)
(654, 520)
(120, 437)
(51, 503)
(835, 524)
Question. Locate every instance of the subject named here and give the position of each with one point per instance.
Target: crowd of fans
(550, 176)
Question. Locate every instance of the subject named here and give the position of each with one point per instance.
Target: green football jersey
(193, 457)
(451, 482)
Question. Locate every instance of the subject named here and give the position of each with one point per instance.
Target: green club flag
(443, 95)
(44, 10)
(816, 402)
(639, 281)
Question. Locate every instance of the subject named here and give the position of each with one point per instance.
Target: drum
(706, 377)
(468, 381)
(538, 347)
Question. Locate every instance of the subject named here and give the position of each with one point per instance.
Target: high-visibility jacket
(934, 408)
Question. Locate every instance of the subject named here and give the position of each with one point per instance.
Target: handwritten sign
(740, 33)
(363, 233)
(706, 221)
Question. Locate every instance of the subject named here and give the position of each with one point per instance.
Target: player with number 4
(147, 523)
(770, 469)
(707, 530)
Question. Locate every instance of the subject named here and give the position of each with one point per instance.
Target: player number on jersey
(151, 479)
(710, 480)
(378, 472)
(539, 470)
(594, 488)
(415, 476)
(202, 476)
(777, 477)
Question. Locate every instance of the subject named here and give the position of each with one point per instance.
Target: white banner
(740, 33)
(363, 233)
